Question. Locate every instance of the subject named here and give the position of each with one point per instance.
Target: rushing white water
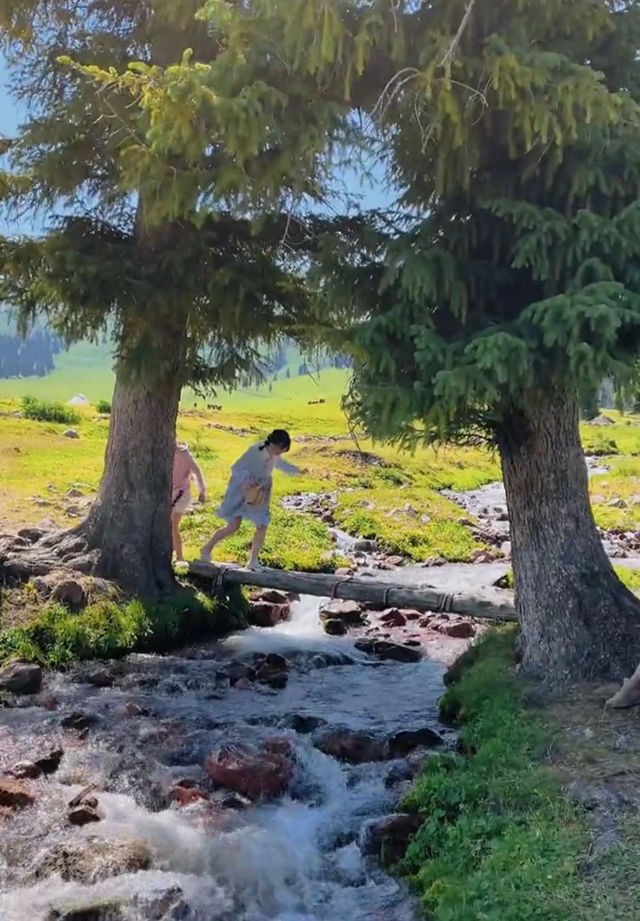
(296, 859)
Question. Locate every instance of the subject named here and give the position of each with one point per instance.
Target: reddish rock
(15, 793)
(251, 772)
(482, 556)
(184, 793)
(395, 561)
(268, 613)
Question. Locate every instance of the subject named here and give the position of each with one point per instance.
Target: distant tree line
(30, 357)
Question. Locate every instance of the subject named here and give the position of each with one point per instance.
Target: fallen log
(365, 589)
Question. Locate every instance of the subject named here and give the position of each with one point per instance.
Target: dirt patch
(360, 458)
(19, 605)
(597, 752)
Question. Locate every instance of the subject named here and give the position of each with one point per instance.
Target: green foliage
(517, 266)
(190, 154)
(46, 411)
(499, 839)
(103, 407)
(57, 637)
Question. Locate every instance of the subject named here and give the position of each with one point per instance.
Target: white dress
(255, 467)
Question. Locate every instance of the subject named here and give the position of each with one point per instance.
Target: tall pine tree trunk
(129, 523)
(577, 619)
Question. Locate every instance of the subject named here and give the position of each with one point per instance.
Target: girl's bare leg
(256, 547)
(176, 537)
(220, 534)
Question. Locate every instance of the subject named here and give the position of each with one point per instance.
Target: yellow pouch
(253, 494)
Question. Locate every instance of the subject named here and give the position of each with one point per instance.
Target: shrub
(46, 411)
(103, 407)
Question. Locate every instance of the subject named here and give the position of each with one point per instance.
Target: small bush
(103, 407)
(599, 444)
(46, 411)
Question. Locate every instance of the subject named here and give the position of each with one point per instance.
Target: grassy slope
(500, 841)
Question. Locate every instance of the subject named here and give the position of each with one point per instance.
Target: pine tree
(511, 282)
(169, 151)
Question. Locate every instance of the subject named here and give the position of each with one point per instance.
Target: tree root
(33, 552)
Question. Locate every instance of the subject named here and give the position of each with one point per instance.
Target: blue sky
(373, 195)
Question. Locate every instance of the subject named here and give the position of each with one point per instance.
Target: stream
(295, 859)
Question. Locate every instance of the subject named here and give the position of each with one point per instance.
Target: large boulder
(251, 772)
(21, 677)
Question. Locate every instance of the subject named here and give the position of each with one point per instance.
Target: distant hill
(42, 366)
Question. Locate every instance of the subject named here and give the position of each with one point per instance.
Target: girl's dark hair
(278, 437)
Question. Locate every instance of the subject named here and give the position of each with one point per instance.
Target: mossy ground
(55, 637)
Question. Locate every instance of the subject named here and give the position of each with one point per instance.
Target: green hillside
(86, 369)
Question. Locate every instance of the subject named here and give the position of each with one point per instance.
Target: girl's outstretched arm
(288, 468)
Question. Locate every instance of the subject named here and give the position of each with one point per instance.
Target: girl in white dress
(249, 492)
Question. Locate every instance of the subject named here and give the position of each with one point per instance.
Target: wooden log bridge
(366, 589)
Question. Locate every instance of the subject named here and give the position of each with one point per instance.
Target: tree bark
(129, 523)
(578, 621)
